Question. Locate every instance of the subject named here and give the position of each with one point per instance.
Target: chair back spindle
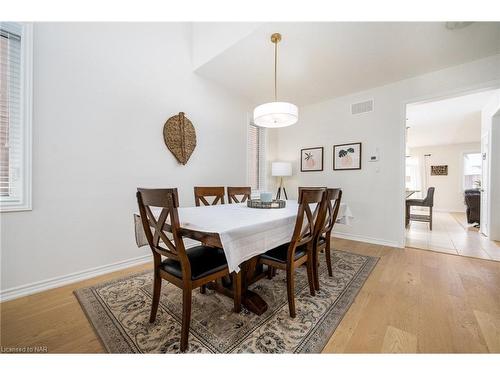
(333, 198)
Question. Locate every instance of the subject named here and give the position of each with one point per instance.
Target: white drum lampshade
(281, 169)
(275, 114)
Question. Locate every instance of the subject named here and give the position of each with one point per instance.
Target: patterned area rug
(119, 311)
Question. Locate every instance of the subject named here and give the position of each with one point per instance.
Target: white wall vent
(362, 107)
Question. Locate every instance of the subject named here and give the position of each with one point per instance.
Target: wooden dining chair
(333, 198)
(203, 192)
(233, 192)
(271, 272)
(300, 250)
(184, 268)
(310, 188)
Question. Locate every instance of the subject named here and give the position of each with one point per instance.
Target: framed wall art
(311, 159)
(439, 170)
(347, 156)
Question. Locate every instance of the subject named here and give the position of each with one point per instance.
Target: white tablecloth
(244, 232)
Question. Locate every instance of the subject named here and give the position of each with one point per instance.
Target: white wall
(209, 39)
(375, 193)
(490, 124)
(102, 93)
(449, 193)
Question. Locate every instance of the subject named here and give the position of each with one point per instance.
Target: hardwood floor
(414, 301)
(53, 319)
(422, 301)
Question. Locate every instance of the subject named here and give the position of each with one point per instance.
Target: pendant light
(275, 114)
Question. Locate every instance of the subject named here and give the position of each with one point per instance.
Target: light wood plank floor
(414, 301)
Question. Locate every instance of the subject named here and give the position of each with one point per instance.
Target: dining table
(243, 233)
(409, 193)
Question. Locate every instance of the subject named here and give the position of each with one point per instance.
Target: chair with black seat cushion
(428, 201)
(238, 194)
(333, 198)
(184, 268)
(201, 193)
(300, 250)
(272, 270)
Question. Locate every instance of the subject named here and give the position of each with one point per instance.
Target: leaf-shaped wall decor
(180, 137)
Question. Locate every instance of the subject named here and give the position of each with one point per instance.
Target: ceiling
(448, 121)
(322, 60)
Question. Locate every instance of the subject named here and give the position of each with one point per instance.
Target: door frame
(484, 86)
(485, 175)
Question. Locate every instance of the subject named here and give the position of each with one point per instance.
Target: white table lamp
(281, 169)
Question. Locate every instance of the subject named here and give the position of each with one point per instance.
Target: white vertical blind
(472, 170)
(413, 179)
(13, 137)
(256, 156)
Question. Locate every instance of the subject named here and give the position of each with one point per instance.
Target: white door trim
(489, 85)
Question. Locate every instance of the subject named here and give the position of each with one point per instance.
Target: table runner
(244, 232)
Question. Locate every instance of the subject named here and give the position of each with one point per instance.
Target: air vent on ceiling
(362, 107)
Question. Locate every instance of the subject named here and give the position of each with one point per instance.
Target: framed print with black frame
(311, 159)
(347, 156)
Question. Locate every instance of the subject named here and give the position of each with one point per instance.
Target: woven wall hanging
(180, 137)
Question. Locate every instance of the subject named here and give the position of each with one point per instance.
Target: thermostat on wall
(374, 156)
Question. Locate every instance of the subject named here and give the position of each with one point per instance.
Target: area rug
(119, 311)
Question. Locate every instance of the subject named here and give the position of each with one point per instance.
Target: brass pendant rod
(275, 71)
(276, 38)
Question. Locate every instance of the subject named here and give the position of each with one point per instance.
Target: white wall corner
(209, 39)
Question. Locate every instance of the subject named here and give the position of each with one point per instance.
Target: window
(15, 116)
(472, 170)
(412, 173)
(256, 156)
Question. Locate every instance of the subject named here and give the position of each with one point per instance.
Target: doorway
(446, 176)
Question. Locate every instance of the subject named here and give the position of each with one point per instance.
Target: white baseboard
(357, 237)
(449, 211)
(436, 209)
(39, 286)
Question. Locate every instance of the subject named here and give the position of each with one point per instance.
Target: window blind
(11, 126)
(256, 156)
(472, 170)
